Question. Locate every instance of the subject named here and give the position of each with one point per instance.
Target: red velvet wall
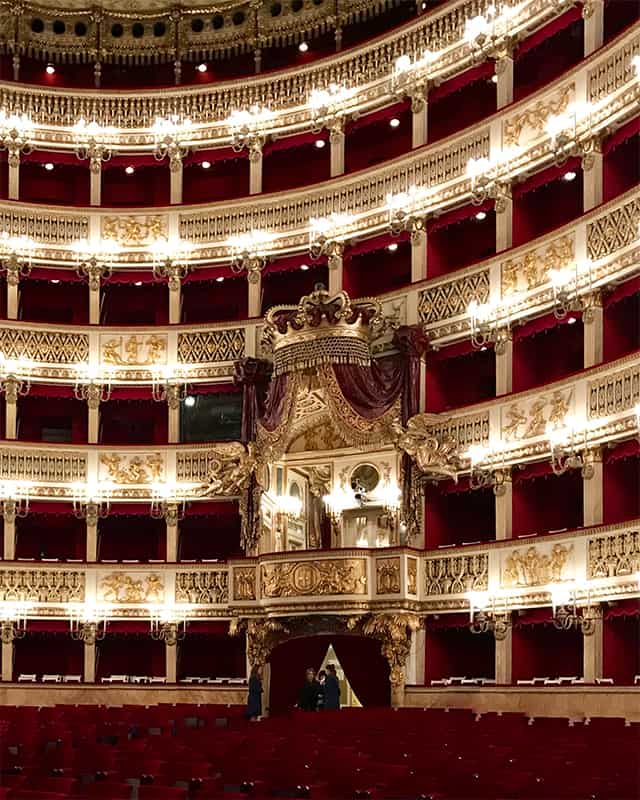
(621, 165)
(133, 422)
(33, 70)
(51, 535)
(3, 297)
(47, 652)
(454, 514)
(619, 14)
(621, 325)
(557, 47)
(457, 378)
(225, 179)
(378, 271)
(134, 537)
(4, 176)
(66, 415)
(288, 286)
(67, 184)
(541, 651)
(210, 531)
(210, 301)
(461, 102)
(543, 503)
(207, 652)
(544, 354)
(63, 303)
(621, 643)
(363, 663)
(299, 165)
(359, 30)
(621, 475)
(281, 56)
(539, 208)
(456, 652)
(372, 140)
(147, 186)
(460, 244)
(129, 654)
(128, 304)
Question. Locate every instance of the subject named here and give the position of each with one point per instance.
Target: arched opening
(365, 669)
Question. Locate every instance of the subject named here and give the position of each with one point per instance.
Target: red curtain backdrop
(546, 201)
(209, 652)
(133, 422)
(460, 241)
(546, 502)
(4, 176)
(365, 668)
(65, 184)
(618, 15)
(281, 166)
(46, 416)
(124, 303)
(3, 280)
(546, 350)
(134, 653)
(621, 166)
(287, 286)
(621, 475)
(210, 531)
(456, 652)
(461, 101)
(62, 302)
(47, 652)
(50, 533)
(381, 270)
(214, 301)
(621, 642)
(541, 651)
(371, 140)
(226, 178)
(135, 537)
(622, 320)
(446, 387)
(454, 514)
(148, 185)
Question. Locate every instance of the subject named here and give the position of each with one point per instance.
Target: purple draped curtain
(252, 374)
(275, 402)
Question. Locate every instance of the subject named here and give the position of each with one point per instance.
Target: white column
(92, 540)
(593, 15)
(13, 290)
(418, 254)
(175, 187)
(171, 521)
(94, 304)
(504, 367)
(10, 416)
(504, 221)
(89, 671)
(9, 533)
(171, 662)
(254, 281)
(504, 87)
(14, 175)
(335, 262)
(7, 661)
(593, 490)
(173, 411)
(592, 648)
(504, 657)
(593, 329)
(504, 508)
(336, 143)
(93, 422)
(95, 181)
(255, 169)
(593, 175)
(415, 662)
(175, 300)
(419, 117)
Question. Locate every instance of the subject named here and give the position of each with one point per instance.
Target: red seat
(153, 792)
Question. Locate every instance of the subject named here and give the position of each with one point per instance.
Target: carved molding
(42, 586)
(614, 555)
(134, 588)
(210, 587)
(452, 298)
(613, 393)
(388, 575)
(307, 578)
(456, 574)
(212, 346)
(535, 565)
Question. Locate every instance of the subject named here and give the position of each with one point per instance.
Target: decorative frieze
(204, 587)
(535, 565)
(135, 231)
(210, 347)
(531, 269)
(133, 350)
(614, 393)
(614, 230)
(305, 578)
(451, 298)
(45, 347)
(244, 583)
(531, 122)
(388, 575)
(613, 72)
(614, 555)
(46, 466)
(533, 415)
(42, 586)
(456, 574)
(465, 430)
(139, 468)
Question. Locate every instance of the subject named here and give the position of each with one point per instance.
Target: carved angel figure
(230, 469)
(432, 454)
(515, 418)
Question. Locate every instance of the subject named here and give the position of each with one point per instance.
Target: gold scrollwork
(304, 578)
(532, 568)
(244, 583)
(134, 231)
(532, 269)
(387, 576)
(119, 587)
(522, 422)
(133, 469)
(535, 118)
(134, 350)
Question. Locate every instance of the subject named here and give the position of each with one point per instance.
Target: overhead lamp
(304, 267)
(201, 67)
(569, 176)
(129, 170)
(394, 122)
(392, 247)
(206, 165)
(137, 283)
(320, 143)
(54, 281)
(50, 69)
(481, 215)
(220, 279)
(303, 47)
(189, 401)
(494, 79)
(48, 166)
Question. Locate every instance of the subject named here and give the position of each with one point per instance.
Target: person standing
(309, 693)
(322, 676)
(331, 689)
(254, 699)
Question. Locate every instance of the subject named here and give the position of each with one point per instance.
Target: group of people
(321, 693)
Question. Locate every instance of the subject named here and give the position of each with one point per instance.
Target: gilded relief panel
(139, 468)
(388, 575)
(308, 578)
(531, 123)
(537, 565)
(133, 350)
(530, 417)
(531, 270)
(130, 587)
(134, 231)
(614, 555)
(244, 583)
(206, 587)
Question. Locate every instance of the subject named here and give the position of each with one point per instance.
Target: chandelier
(165, 503)
(93, 143)
(169, 134)
(328, 106)
(489, 324)
(171, 260)
(488, 35)
(326, 237)
(15, 135)
(565, 285)
(566, 613)
(14, 499)
(570, 134)
(92, 385)
(249, 252)
(92, 501)
(248, 130)
(16, 253)
(11, 383)
(569, 447)
(482, 475)
(95, 260)
(168, 623)
(490, 178)
(168, 385)
(87, 622)
(13, 621)
(404, 210)
(489, 614)
(336, 503)
(410, 77)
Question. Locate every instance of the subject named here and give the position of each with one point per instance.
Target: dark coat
(254, 700)
(309, 695)
(331, 693)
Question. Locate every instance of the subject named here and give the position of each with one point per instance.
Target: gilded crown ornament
(323, 328)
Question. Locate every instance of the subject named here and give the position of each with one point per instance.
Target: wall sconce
(569, 448)
(168, 624)
(336, 503)
(490, 324)
(171, 260)
(248, 130)
(487, 614)
(13, 621)
(93, 143)
(16, 254)
(566, 613)
(95, 260)
(490, 178)
(165, 503)
(12, 384)
(404, 210)
(91, 501)
(249, 252)
(169, 134)
(92, 385)
(482, 475)
(15, 135)
(566, 139)
(565, 285)
(410, 78)
(168, 385)
(328, 107)
(326, 237)
(14, 500)
(488, 35)
(87, 622)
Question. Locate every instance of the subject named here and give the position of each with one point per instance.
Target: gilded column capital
(263, 635)
(11, 387)
(8, 631)
(174, 394)
(171, 515)
(9, 510)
